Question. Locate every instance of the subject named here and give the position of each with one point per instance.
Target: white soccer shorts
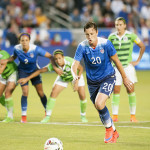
(130, 72)
(12, 78)
(60, 82)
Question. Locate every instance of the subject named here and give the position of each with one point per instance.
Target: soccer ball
(53, 144)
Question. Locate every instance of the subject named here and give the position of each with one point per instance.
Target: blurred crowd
(26, 15)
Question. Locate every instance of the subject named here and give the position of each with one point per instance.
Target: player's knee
(41, 94)
(116, 90)
(8, 93)
(99, 105)
(25, 93)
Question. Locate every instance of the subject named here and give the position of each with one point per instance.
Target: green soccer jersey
(124, 46)
(10, 68)
(67, 76)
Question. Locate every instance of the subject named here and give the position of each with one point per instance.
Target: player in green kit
(61, 82)
(123, 41)
(8, 80)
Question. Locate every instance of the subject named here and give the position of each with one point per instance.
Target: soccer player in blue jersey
(27, 54)
(98, 53)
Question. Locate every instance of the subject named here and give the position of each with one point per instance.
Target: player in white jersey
(27, 54)
(61, 82)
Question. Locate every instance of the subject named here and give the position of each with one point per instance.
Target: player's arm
(142, 49)
(36, 73)
(80, 69)
(119, 66)
(5, 61)
(76, 66)
(56, 69)
(2, 68)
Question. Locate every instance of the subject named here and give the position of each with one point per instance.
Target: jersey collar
(121, 36)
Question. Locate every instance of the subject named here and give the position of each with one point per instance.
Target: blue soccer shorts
(34, 81)
(105, 86)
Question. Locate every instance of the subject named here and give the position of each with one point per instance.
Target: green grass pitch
(65, 121)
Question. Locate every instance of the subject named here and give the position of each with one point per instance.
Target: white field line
(86, 124)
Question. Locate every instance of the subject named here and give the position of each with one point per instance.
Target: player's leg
(51, 101)
(131, 74)
(132, 104)
(106, 88)
(10, 87)
(116, 96)
(37, 82)
(9, 101)
(25, 91)
(39, 89)
(83, 100)
(2, 89)
(100, 104)
(115, 102)
(58, 86)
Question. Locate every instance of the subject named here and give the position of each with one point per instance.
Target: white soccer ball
(53, 144)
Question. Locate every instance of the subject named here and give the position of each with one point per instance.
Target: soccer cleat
(115, 136)
(23, 119)
(133, 118)
(115, 118)
(8, 119)
(83, 119)
(46, 119)
(108, 135)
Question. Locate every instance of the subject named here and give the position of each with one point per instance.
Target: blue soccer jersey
(97, 61)
(28, 61)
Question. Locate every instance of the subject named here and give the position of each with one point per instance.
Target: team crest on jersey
(125, 38)
(67, 69)
(102, 51)
(31, 55)
(1, 55)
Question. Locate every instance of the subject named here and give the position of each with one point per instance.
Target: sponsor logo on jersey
(125, 38)
(102, 51)
(31, 55)
(67, 69)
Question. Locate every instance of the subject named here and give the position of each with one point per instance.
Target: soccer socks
(9, 107)
(24, 105)
(105, 117)
(50, 105)
(44, 101)
(132, 103)
(115, 103)
(83, 104)
(2, 100)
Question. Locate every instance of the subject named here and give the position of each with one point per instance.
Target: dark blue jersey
(97, 61)
(28, 61)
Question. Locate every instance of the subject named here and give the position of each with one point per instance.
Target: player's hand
(75, 85)
(134, 63)
(22, 81)
(76, 78)
(128, 84)
(58, 71)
